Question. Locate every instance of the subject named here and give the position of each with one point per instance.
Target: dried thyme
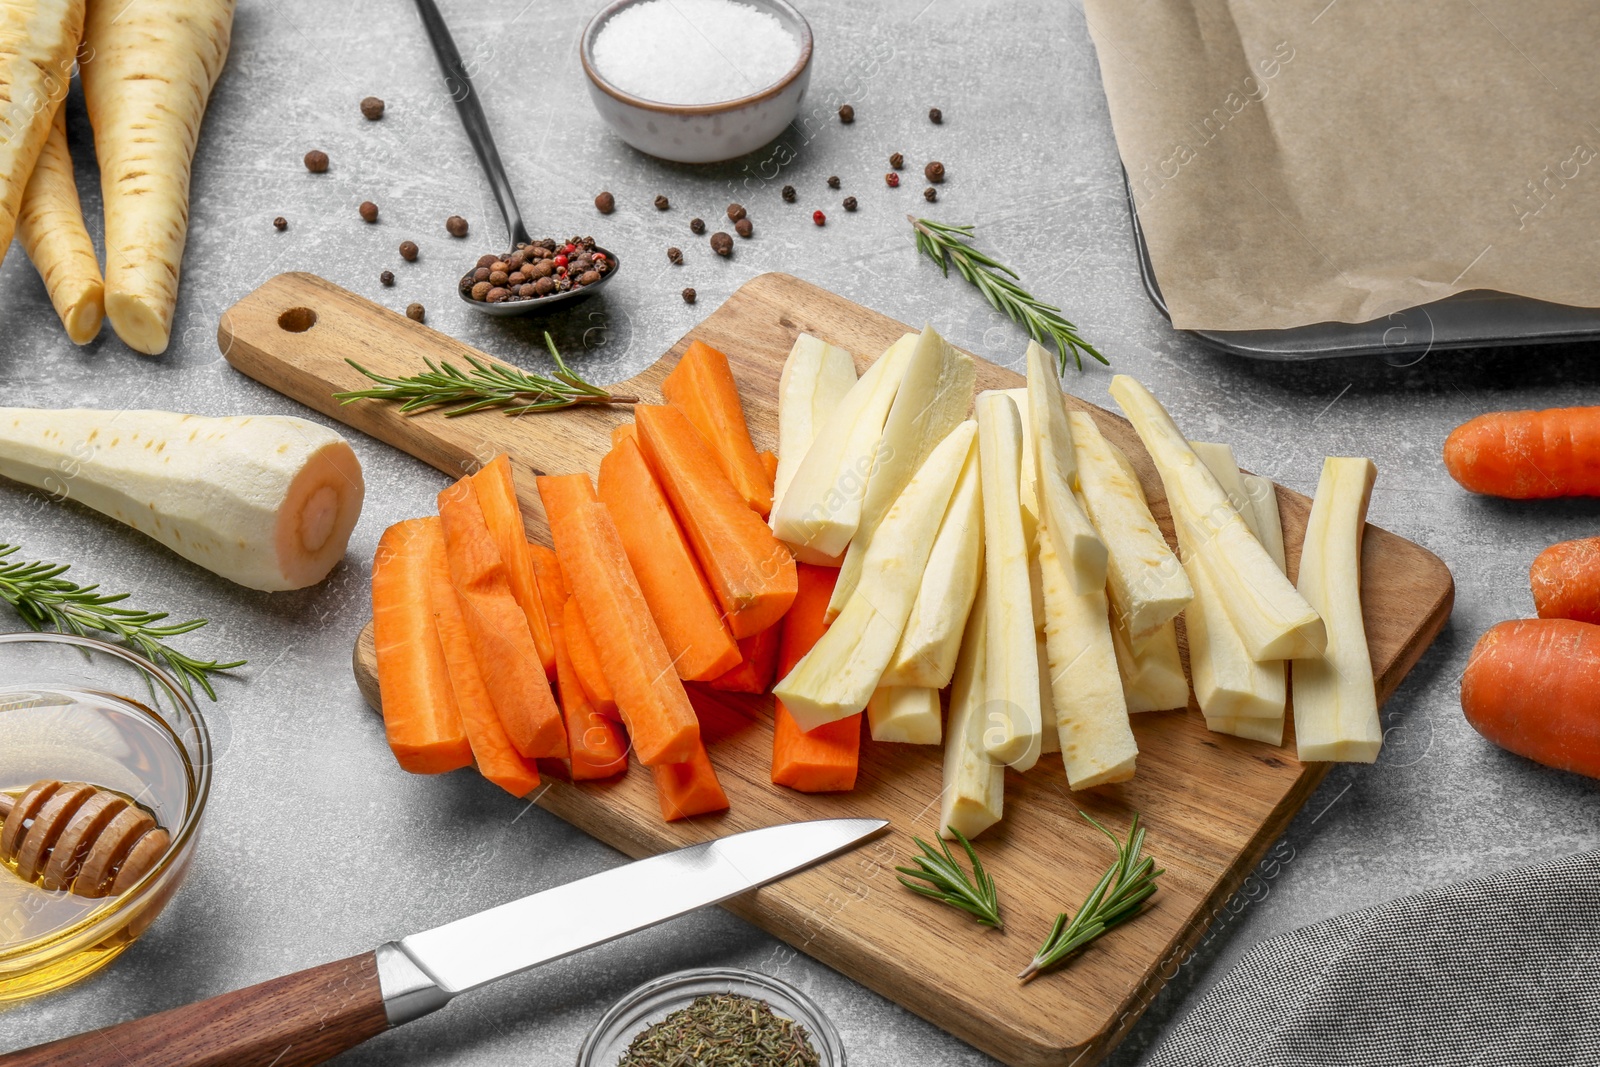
(723, 1030)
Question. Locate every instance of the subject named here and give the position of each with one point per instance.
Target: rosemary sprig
(1118, 896)
(487, 385)
(945, 243)
(947, 883)
(43, 598)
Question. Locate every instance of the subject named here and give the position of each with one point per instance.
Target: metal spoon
(459, 83)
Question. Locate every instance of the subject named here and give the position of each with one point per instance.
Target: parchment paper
(1308, 161)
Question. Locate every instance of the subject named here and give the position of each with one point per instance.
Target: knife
(314, 1015)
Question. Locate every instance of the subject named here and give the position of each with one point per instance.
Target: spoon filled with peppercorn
(531, 276)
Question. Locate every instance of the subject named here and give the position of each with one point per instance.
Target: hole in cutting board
(297, 320)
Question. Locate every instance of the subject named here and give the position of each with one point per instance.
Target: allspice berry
(455, 226)
(372, 109)
(849, 203)
(897, 161)
(281, 223)
(408, 251)
(721, 244)
(697, 226)
(416, 312)
(688, 296)
(480, 290)
(930, 194)
(743, 228)
(605, 203)
(662, 204)
(675, 255)
(735, 212)
(847, 114)
(788, 194)
(387, 278)
(369, 211)
(935, 116)
(316, 161)
(934, 172)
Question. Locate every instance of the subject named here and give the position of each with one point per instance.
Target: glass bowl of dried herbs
(716, 1017)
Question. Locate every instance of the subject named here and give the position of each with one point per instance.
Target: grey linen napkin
(1498, 970)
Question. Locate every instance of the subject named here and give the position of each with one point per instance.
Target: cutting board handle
(299, 1019)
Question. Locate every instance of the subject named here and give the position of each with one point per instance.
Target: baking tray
(1479, 318)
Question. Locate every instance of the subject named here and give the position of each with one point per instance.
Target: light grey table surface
(317, 846)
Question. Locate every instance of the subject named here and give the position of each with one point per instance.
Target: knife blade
(311, 1016)
(478, 949)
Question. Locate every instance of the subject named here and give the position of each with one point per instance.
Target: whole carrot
(1532, 686)
(1528, 455)
(1566, 581)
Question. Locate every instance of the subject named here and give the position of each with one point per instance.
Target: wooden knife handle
(293, 1021)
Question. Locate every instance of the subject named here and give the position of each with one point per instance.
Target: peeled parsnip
(1335, 701)
(267, 501)
(973, 798)
(38, 45)
(52, 232)
(148, 71)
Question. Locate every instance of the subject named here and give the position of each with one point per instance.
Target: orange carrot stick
(627, 431)
(750, 570)
(680, 600)
(598, 747)
(824, 760)
(1566, 581)
(702, 387)
(632, 656)
(769, 461)
(498, 759)
(497, 496)
(1528, 455)
(690, 788)
(585, 659)
(508, 659)
(420, 715)
(1533, 686)
(553, 590)
(755, 672)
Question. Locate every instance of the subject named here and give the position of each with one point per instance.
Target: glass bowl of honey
(105, 765)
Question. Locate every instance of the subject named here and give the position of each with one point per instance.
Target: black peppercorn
(316, 161)
(408, 251)
(735, 212)
(721, 244)
(897, 161)
(935, 116)
(688, 296)
(743, 228)
(847, 114)
(387, 277)
(369, 211)
(372, 108)
(833, 181)
(930, 194)
(934, 172)
(281, 223)
(605, 203)
(455, 226)
(661, 203)
(788, 194)
(849, 203)
(697, 226)
(416, 312)
(675, 255)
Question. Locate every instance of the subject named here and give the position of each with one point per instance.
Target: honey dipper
(69, 835)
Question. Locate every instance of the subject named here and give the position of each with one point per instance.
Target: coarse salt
(694, 51)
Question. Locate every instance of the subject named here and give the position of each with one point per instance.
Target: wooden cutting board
(1213, 804)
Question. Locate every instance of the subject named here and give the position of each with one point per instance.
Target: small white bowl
(701, 133)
